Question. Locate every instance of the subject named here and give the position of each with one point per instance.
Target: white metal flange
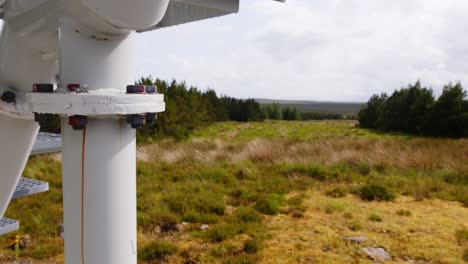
(106, 102)
(17, 109)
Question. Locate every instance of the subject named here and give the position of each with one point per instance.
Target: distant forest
(188, 108)
(336, 108)
(415, 110)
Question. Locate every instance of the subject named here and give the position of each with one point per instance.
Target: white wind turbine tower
(75, 58)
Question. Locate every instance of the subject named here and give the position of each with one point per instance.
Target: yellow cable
(82, 195)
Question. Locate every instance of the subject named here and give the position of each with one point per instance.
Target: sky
(327, 50)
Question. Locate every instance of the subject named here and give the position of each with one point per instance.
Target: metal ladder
(45, 143)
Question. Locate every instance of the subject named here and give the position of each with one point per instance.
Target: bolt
(77, 88)
(136, 89)
(9, 97)
(78, 122)
(150, 118)
(150, 89)
(43, 88)
(136, 121)
(43, 119)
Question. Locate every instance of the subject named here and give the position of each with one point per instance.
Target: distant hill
(316, 107)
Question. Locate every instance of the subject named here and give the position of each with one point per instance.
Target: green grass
(157, 250)
(270, 204)
(375, 217)
(374, 192)
(236, 132)
(237, 178)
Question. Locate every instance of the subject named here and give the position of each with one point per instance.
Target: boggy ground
(279, 192)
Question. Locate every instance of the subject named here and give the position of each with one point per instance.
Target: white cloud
(335, 50)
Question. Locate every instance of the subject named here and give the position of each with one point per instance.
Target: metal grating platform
(47, 143)
(8, 225)
(27, 187)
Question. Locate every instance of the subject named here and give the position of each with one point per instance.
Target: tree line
(274, 111)
(188, 108)
(415, 110)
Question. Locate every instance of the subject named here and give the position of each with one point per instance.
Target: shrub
(224, 250)
(246, 215)
(333, 207)
(374, 192)
(242, 195)
(375, 218)
(252, 246)
(337, 192)
(221, 232)
(195, 201)
(348, 215)
(270, 204)
(157, 250)
(465, 255)
(156, 215)
(402, 212)
(355, 226)
(453, 177)
(296, 213)
(364, 168)
(316, 172)
(462, 235)
(197, 217)
(46, 250)
(246, 174)
(296, 206)
(463, 199)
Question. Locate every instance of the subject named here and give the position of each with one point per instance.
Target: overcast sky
(325, 50)
(333, 50)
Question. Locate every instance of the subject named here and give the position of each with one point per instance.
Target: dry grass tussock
(426, 155)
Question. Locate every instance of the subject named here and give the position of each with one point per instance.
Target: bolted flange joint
(150, 89)
(141, 89)
(151, 118)
(77, 88)
(43, 88)
(136, 121)
(136, 89)
(43, 119)
(78, 122)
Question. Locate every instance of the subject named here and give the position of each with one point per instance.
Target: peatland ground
(278, 192)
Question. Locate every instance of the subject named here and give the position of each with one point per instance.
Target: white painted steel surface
(16, 140)
(109, 192)
(106, 102)
(109, 217)
(100, 64)
(185, 11)
(135, 14)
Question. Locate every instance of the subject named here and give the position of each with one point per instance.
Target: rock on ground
(377, 254)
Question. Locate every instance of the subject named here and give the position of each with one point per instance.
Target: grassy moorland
(316, 107)
(279, 192)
